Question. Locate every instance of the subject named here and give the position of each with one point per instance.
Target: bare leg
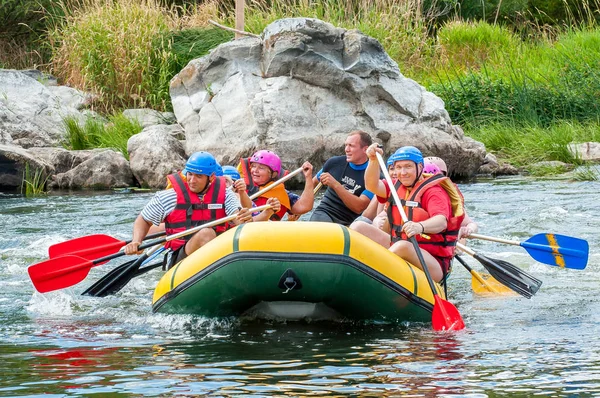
(199, 239)
(406, 250)
(372, 233)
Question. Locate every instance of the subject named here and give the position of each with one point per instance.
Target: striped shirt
(163, 203)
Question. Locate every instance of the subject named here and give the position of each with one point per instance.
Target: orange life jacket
(440, 245)
(190, 211)
(278, 192)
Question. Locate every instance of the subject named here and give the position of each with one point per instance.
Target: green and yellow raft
(296, 270)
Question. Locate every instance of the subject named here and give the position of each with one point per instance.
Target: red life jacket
(278, 192)
(440, 245)
(190, 211)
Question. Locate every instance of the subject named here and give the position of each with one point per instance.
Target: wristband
(422, 228)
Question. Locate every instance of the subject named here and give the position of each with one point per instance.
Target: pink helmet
(431, 168)
(268, 158)
(439, 162)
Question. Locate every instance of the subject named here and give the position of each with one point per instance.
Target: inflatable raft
(295, 270)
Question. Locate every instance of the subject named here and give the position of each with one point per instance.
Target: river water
(64, 344)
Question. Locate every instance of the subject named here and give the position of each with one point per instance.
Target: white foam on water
(553, 213)
(57, 303)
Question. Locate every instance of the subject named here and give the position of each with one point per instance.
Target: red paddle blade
(59, 273)
(89, 247)
(445, 316)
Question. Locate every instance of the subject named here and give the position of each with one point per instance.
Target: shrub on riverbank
(522, 144)
(110, 48)
(95, 133)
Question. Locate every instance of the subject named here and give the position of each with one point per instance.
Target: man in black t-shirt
(346, 197)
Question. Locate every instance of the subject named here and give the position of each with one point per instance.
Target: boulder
(491, 166)
(32, 113)
(62, 160)
(104, 169)
(589, 151)
(300, 89)
(153, 154)
(13, 163)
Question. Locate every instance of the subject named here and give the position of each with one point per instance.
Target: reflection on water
(63, 343)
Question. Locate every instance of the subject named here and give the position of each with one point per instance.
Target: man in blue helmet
(198, 198)
(433, 206)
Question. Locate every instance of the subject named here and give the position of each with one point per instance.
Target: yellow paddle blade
(487, 285)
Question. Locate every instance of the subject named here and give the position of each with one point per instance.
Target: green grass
(587, 173)
(33, 182)
(95, 133)
(522, 144)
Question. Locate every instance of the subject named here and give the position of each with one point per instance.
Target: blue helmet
(408, 153)
(201, 163)
(219, 170)
(231, 172)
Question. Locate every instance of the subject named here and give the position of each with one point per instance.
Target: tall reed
(33, 182)
(109, 47)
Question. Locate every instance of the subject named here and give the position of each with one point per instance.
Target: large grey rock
(32, 113)
(492, 167)
(104, 169)
(300, 89)
(586, 151)
(13, 163)
(62, 160)
(153, 154)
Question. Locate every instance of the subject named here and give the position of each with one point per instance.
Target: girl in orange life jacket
(430, 206)
(262, 169)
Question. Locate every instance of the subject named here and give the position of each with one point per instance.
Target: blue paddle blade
(559, 250)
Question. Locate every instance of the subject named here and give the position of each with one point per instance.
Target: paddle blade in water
(116, 279)
(490, 286)
(59, 273)
(511, 276)
(90, 247)
(445, 316)
(559, 250)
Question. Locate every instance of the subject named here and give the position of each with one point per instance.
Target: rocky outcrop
(154, 153)
(589, 151)
(13, 162)
(104, 169)
(31, 113)
(299, 90)
(492, 167)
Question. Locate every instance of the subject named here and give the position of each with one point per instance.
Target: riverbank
(506, 85)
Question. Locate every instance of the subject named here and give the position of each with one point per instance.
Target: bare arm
(433, 225)
(307, 199)
(355, 203)
(372, 181)
(371, 210)
(140, 230)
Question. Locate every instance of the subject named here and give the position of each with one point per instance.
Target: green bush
(189, 44)
(95, 133)
(110, 48)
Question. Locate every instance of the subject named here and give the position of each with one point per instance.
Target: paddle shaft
(158, 242)
(412, 239)
(445, 315)
(281, 180)
(529, 245)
